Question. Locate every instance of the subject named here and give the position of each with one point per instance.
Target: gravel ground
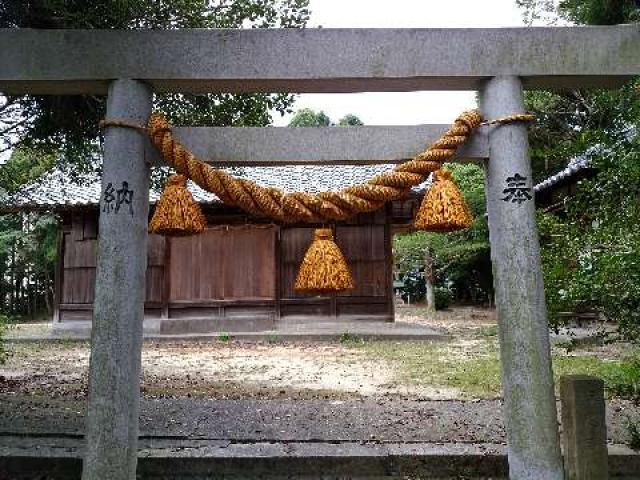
(269, 391)
(394, 419)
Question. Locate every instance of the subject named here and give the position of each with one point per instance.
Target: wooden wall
(233, 276)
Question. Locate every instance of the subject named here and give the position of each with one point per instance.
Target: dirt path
(393, 419)
(422, 391)
(218, 370)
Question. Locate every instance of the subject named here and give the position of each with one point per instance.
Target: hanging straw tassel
(324, 268)
(177, 213)
(443, 209)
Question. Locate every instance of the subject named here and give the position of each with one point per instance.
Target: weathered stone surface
(527, 381)
(304, 146)
(584, 428)
(114, 376)
(317, 60)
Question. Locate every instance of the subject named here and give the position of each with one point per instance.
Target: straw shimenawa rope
(305, 207)
(323, 268)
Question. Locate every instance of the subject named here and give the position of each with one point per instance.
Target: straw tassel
(443, 209)
(324, 268)
(177, 213)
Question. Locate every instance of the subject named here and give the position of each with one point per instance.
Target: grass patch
(350, 339)
(473, 368)
(488, 331)
(425, 363)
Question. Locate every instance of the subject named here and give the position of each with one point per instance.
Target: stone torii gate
(131, 66)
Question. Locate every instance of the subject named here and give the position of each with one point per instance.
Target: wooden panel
(78, 284)
(75, 315)
(183, 257)
(302, 308)
(79, 253)
(79, 263)
(212, 259)
(154, 284)
(77, 226)
(294, 242)
(364, 248)
(252, 273)
(90, 226)
(155, 250)
(234, 263)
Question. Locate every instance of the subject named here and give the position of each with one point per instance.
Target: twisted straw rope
(305, 207)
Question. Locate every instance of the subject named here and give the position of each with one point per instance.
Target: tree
(350, 120)
(591, 254)
(589, 12)
(459, 261)
(28, 241)
(306, 117)
(69, 124)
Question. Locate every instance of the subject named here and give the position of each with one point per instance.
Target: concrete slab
(286, 330)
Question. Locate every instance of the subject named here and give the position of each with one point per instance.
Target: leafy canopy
(306, 117)
(69, 124)
(591, 251)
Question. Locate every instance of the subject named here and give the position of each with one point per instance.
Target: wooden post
(527, 381)
(584, 428)
(116, 339)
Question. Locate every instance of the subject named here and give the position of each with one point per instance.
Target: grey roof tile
(57, 190)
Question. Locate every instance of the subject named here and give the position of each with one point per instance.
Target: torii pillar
(116, 334)
(527, 382)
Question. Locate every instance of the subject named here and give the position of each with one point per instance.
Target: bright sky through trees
(403, 108)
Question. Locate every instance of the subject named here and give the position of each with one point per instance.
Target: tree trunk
(47, 290)
(428, 280)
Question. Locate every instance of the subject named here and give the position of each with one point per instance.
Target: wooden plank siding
(234, 274)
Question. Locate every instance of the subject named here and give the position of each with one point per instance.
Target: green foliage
(24, 166)
(567, 124)
(351, 339)
(590, 256)
(591, 251)
(462, 261)
(599, 12)
(443, 297)
(349, 120)
(634, 434)
(624, 381)
(69, 124)
(28, 241)
(589, 12)
(306, 117)
(28, 250)
(476, 372)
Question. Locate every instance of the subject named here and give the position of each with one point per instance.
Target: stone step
(175, 458)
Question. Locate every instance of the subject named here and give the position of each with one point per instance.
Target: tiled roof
(57, 190)
(575, 165)
(582, 161)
